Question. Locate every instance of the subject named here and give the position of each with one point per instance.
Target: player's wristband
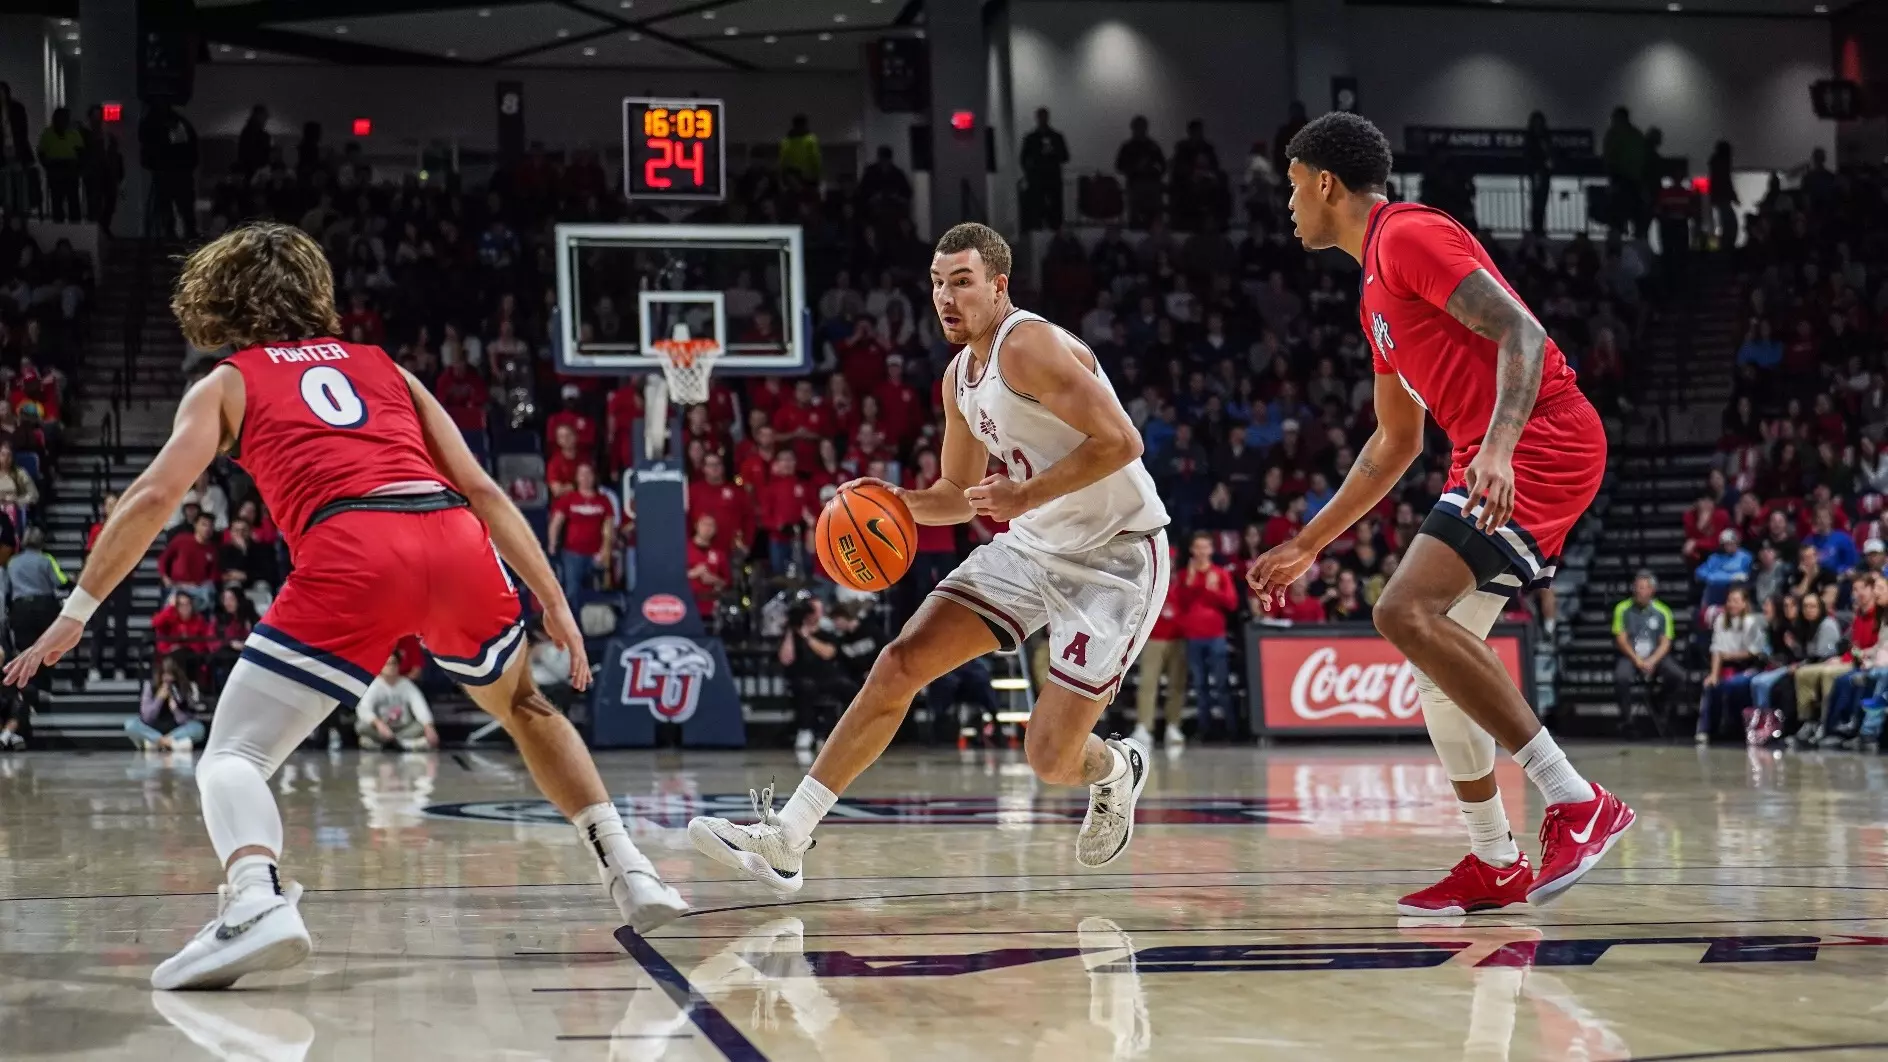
(79, 606)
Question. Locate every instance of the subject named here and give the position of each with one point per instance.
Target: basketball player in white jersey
(1085, 555)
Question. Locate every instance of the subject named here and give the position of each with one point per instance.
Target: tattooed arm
(1487, 308)
(1481, 303)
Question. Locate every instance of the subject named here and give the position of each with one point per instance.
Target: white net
(687, 365)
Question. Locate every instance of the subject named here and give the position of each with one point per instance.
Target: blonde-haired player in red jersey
(394, 528)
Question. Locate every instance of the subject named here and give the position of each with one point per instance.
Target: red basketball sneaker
(1573, 838)
(1472, 886)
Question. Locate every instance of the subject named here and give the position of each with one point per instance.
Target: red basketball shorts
(1558, 466)
(363, 580)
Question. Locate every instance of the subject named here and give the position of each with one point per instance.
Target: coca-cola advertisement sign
(1327, 679)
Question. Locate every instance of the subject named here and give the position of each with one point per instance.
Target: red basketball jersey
(1414, 257)
(322, 421)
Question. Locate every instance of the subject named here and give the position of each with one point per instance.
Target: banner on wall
(1346, 678)
(1504, 143)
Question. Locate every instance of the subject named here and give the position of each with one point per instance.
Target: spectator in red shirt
(1207, 595)
(1704, 522)
(462, 390)
(861, 356)
(803, 422)
(1300, 606)
(754, 457)
(901, 408)
(698, 425)
(708, 571)
(188, 564)
(768, 393)
(867, 446)
(366, 318)
(786, 507)
(731, 507)
(621, 410)
(827, 470)
(1282, 527)
(582, 532)
(585, 427)
(1165, 654)
(181, 629)
(560, 472)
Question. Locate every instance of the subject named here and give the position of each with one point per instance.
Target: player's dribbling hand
(1276, 569)
(869, 481)
(1489, 483)
(561, 627)
(56, 642)
(997, 497)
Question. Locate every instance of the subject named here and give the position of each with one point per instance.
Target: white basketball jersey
(1028, 439)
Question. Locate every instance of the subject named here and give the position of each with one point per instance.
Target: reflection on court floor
(947, 918)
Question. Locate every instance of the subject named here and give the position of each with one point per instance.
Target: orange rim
(683, 352)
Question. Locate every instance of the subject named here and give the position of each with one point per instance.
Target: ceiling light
(709, 15)
(1674, 7)
(65, 22)
(485, 12)
(224, 48)
(563, 33)
(452, 53)
(799, 59)
(841, 17)
(635, 36)
(771, 39)
(340, 29)
(589, 51)
(1822, 9)
(249, 55)
(825, 36)
(77, 51)
(732, 31)
(72, 36)
(626, 4)
(920, 34)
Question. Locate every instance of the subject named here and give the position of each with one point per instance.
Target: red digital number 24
(687, 156)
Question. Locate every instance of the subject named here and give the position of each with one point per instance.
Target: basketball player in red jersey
(1450, 336)
(394, 528)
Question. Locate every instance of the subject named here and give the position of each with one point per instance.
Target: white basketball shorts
(1099, 606)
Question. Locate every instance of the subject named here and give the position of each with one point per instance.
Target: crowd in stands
(1791, 569)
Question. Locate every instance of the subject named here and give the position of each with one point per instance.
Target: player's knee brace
(1466, 750)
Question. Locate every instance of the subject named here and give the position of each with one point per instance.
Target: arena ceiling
(783, 35)
(674, 34)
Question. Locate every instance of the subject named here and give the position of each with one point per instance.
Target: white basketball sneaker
(645, 901)
(760, 851)
(1109, 825)
(253, 932)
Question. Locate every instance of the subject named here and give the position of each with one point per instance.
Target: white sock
(1488, 834)
(809, 804)
(601, 830)
(1120, 767)
(254, 872)
(1550, 770)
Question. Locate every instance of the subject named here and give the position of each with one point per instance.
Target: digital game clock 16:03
(674, 149)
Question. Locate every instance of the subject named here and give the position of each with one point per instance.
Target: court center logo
(666, 675)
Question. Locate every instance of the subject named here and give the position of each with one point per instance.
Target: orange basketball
(866, 538)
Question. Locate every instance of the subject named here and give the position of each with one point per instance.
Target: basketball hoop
(687, 365)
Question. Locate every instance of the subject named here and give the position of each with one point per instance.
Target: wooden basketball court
(945, 918)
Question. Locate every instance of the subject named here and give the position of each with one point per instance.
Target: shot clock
(674, 149)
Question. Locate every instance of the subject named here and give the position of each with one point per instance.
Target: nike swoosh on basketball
(1503, 882)
(231, 932)
(1581, 836)
(872, 528)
